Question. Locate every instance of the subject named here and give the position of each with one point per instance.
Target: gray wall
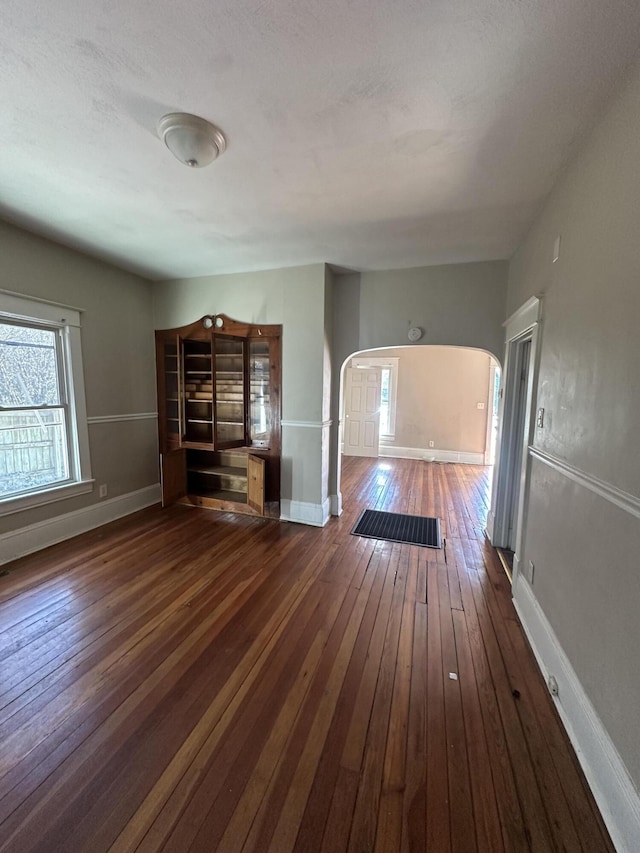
(327, 317)
(585, 548)
(457, 304)
(118, 358)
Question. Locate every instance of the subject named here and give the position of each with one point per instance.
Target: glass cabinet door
(229, 380)
(197, 403)
(259, 393)
(171, 412)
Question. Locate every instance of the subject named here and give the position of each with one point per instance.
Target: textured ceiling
(366, 133)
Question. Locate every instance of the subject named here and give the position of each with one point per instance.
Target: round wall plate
(414, 334)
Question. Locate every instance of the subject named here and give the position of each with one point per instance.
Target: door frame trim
(524, 325)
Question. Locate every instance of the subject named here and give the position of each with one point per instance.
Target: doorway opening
(433, 403)
(506, 520)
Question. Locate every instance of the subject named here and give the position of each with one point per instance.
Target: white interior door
(362, 411)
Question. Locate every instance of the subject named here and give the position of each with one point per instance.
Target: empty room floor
(190, 680)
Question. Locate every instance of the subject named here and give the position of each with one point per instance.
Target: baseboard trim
(612, 787)
(336, 504)
(431, 454)
(491, 521)
(42, 534)
(302, 512)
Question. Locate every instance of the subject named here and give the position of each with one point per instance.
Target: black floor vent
(399, 527)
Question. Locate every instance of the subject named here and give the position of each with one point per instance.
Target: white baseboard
(26, 540)
(491, 521)
(317, 515)
(431, 454)
(612, 787)
(336, 504)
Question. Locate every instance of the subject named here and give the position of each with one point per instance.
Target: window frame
(392, 364)
(20, 310)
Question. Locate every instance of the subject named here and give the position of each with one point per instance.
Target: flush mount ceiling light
(193, 140)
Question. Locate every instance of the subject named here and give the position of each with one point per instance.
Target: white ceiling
(365, 133)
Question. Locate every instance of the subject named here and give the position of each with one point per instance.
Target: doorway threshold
(506, 558)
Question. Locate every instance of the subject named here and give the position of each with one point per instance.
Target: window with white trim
(44, 451)
(389, 390)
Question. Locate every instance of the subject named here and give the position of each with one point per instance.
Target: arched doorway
(434, 402)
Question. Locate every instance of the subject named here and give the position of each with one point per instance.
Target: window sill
(46, 496)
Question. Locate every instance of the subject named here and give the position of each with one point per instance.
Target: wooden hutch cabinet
(219, 415)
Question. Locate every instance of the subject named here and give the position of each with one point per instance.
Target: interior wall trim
(524, 317)
(624, 500)
(33, 537)
(335, 504)
(307, 424)
(304, 512)
(111, 419)
(431, 454)
(608, 778)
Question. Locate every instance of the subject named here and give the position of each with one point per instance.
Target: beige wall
(438, 392)
(584, 543)
(118, 357)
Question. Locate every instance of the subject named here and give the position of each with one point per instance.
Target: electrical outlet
(531, 571)
(480, 406)
(432, 444)
(552, 684)
(102, 491)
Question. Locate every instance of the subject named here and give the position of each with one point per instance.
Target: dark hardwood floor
(190, 680)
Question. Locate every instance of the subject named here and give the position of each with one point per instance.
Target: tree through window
(34, 447)
(44, 438)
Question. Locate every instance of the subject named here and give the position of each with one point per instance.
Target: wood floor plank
(185, 680)
(389, 826)
(323, 795)
(463, 834)
(279, 812)
(485, 809)
(437, 800)
(381, 727)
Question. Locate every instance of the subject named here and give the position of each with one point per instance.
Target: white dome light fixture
(193, 140)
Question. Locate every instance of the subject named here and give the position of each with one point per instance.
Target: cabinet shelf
(218, 390)
(219, 471)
